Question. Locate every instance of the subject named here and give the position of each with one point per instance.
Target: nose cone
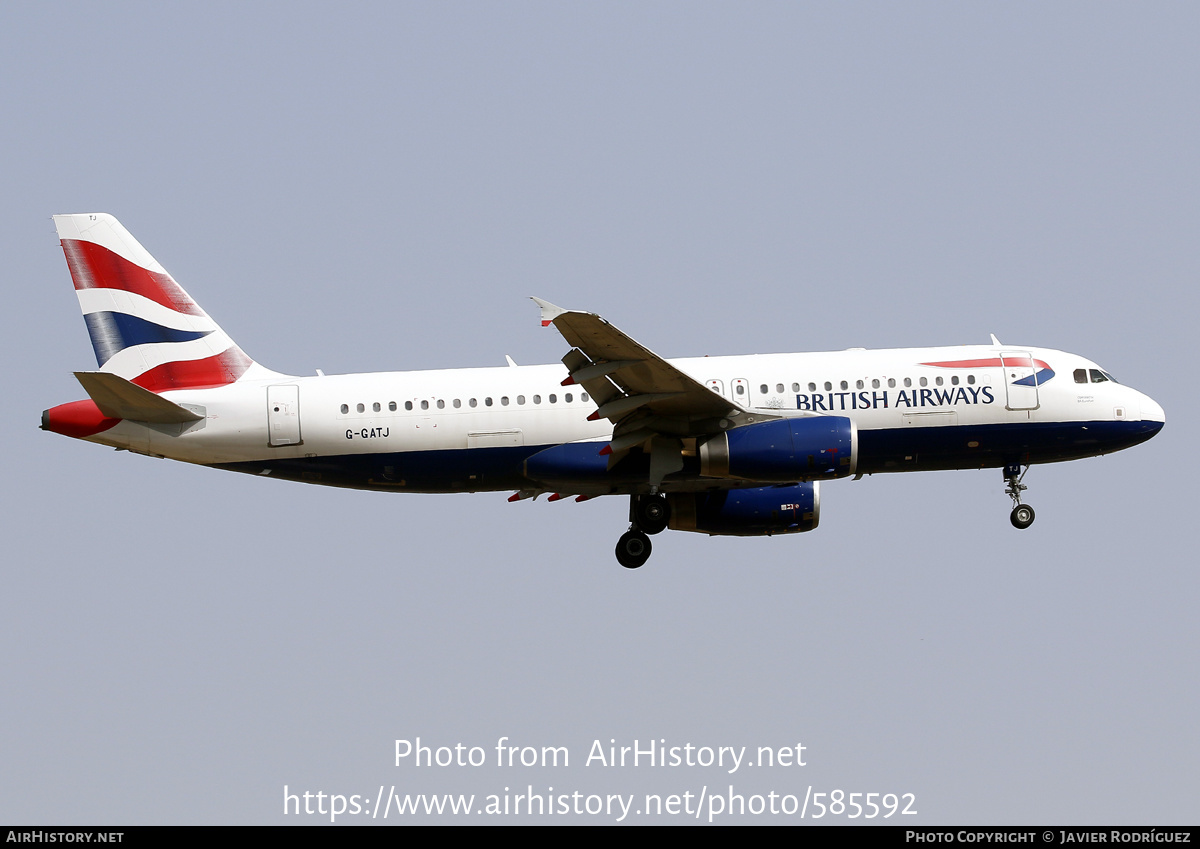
(1153, 417)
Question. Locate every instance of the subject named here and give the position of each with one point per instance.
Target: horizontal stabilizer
(118, 398)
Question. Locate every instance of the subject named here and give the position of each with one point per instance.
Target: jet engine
(799, 449)
(761, 511)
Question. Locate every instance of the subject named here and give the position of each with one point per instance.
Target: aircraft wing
(642, 394)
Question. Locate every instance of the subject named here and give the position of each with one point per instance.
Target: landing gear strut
(1022, 514)
(648, 514)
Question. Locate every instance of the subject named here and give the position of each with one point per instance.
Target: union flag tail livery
(144, 326)
(735, 446)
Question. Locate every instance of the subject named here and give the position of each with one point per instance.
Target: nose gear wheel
(1022, 514)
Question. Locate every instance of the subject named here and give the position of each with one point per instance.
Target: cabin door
(283, 415)
(1020, 380)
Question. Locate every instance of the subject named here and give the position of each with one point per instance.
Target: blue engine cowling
(799, 449)
(761, 511)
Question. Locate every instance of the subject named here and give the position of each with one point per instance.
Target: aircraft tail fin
(144, 327)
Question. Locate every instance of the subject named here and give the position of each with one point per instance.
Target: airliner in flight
(717, 445)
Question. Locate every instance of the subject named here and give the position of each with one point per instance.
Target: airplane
(735, 446)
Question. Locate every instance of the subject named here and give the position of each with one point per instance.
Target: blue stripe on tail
(113, 332)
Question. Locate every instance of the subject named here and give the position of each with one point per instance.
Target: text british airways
(835, 401)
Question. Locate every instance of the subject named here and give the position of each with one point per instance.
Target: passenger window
(441, 404)
(845, 385)
(553, 399)
(457, 403)
(938, 380)
(424, 405)
(924, 381)
(391, 406)
(875, 384)
(971, 379)
(376, 407)
(891, 383)
(567, 397)
(408, 405)
(520, 399)
(795, 387)
(345, 408)
(859, 385)
(473, 403)
(503, 400)
(487, 402)
(361, 408)
(778, 387)
(537, 399)
(954, 380)
(812, 387)
(582, 396)
(763, 389)
(907, 382)
(828, 386)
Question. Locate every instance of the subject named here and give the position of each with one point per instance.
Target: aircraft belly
(459, 470)
(994, 445)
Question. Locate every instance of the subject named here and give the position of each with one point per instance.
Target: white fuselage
(886, 393)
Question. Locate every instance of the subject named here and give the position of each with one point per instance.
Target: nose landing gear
(648, 514)
(1022, 514)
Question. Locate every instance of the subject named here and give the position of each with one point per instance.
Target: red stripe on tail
(96, 267)
(208, 373)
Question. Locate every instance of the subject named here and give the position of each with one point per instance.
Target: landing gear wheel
(651, 513)
(633, 549)
(1021, 516)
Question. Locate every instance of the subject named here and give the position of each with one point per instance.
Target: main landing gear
(648, 514)
(1022, 514)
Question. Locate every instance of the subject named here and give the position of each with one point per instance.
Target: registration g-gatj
(717, 445)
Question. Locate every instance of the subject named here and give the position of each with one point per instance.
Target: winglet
(549, 311)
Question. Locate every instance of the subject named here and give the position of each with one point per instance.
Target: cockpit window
(1098, 376)
(1081, 375)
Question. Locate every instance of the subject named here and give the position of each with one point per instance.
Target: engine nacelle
(799, 449)
(761, 511)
